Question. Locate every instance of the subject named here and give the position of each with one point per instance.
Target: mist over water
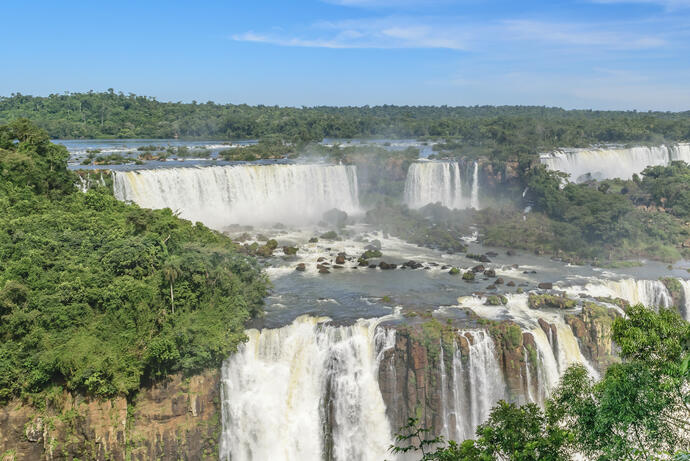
(607, 163)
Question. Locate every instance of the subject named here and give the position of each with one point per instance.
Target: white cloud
(381, 33)
(587, 35)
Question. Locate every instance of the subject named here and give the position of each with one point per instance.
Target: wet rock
(545, 286)
(338, 266)
(484, 259)
(491, 254)
(371, 254)
(529, 272)
(323, 270)
(412, 264)
(490, 273)
(478, 268)
(510, 284)
(453, 270)
(330, 235)
(491, 287)
(444, 267)
(510, 253)
(301, 267)
(340, 259)
(321, 258)
(499, 281)
(372, 266)
(468, 276)
(314, 240)
(386, 266)
(289, 251)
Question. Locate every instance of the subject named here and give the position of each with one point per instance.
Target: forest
(100, 297)
(493, 130)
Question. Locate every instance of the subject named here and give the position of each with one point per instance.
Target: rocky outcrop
(177, 419)
(592, 328)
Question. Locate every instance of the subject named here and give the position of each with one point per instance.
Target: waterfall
(651, 293)
(476, 384)
(613, 162)
(474, 197)
(306, 391)
(243, 194)
(431, 182)
(686, 298)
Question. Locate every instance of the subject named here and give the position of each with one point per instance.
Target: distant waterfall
(243, 194)
(613, 162)
(306, 391)
(431, 182)
(651, 293)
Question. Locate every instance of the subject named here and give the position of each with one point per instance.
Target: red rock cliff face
(178, 419)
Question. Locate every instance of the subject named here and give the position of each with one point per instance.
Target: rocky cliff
(177, 419)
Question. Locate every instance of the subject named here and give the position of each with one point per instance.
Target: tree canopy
(88, 284)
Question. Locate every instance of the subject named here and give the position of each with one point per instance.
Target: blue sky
(602, 54)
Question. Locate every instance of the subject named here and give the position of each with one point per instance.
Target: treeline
(99, 296)
(518, 128)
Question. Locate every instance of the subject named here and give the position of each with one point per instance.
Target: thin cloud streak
(441, 33)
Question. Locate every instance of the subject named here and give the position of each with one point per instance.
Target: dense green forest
(640, 409)
(486, 128)
(100, 296)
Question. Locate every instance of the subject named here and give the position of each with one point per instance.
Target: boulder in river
(499, 281)
(340, 259)
(478, 268)
(301, 267)
(323, 270)
(545, 286)
(490, 273)
(289, 251)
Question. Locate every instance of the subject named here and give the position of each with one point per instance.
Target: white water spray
(432, 182)
(306, 390)
(243, 194)
(613, 162)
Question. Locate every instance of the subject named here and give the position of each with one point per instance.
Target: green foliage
(99, 296)
(640, 409)
(500, 132)
(538, 301)
(587, 222)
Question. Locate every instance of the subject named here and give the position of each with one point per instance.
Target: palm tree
(171, 271)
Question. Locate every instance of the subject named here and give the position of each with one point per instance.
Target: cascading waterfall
(613, 162)
(243, 194)
(651, 293)
(474, 197)
(432, 182)
(474, 386)
(306, 391)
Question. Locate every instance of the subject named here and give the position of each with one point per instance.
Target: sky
(598, 54)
